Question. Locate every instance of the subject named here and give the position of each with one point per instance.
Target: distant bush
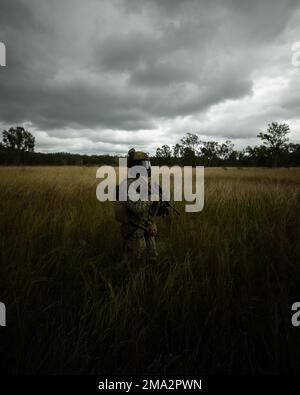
(9, 156)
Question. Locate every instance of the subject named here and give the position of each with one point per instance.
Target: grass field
(218, 301)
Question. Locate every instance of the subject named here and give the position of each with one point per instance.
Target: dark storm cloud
(15, 13)
(96, 68)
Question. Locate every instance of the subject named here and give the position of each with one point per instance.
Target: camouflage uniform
(138, 244)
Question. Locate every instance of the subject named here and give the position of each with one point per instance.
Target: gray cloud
(110, 74)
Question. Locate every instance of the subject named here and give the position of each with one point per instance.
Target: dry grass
(218, 301)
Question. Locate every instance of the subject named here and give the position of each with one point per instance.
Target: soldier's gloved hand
(163, 211)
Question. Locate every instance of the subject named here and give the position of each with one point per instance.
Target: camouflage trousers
(138, 248)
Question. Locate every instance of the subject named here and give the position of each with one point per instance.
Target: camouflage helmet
(135, 157)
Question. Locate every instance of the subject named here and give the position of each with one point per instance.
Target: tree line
(17, 148)
(275, 150)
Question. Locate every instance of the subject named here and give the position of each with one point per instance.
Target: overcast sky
(100, 76)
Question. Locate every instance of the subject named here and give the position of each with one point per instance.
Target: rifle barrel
(173, 208)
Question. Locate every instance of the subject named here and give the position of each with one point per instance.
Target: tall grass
(218, 301)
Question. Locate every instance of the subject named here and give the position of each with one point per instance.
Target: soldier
(137, 228)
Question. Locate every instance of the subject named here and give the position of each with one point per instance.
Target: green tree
(191, 141)
(188, 157)
(177, 150)
(225, 150)
(163, 155)
(257, 155)
(275, 139)
(164, 152)
(209, 152)
(19, 139)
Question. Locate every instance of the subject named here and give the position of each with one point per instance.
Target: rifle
(161, 205)
(167, 204)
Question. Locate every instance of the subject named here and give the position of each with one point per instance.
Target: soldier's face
(144, 163)
(147, 165)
